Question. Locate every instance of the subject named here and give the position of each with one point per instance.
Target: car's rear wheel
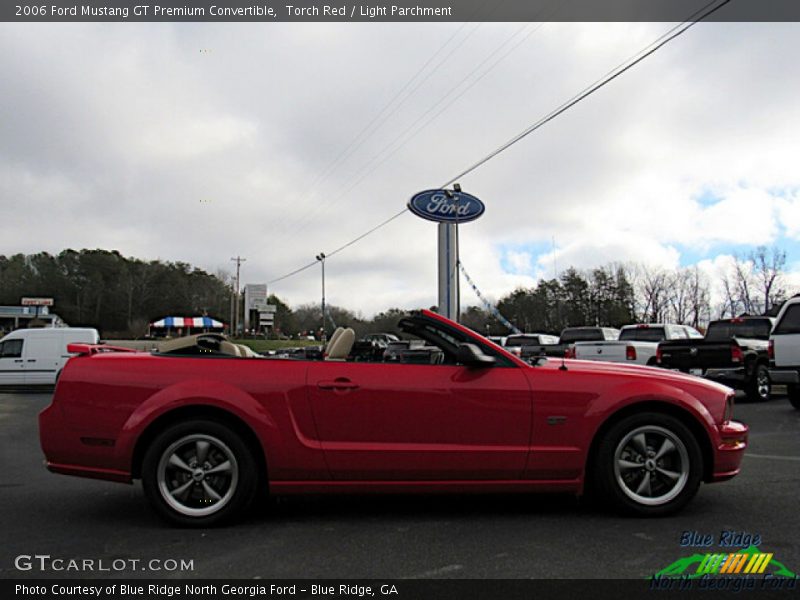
(759, 388)
(648, 464)
(199, 473)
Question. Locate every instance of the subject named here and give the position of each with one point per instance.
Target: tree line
(120, 295)
(609, 296)
(117, 295)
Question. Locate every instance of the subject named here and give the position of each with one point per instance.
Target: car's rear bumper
(734, 377)
(784, 376)
(69, 453)
(730, 450)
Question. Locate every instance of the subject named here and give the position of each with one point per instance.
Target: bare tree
(652, 289)
(768, 268)
(679, 294)
(699, 299)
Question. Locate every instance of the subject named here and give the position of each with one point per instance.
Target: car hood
(675, 378)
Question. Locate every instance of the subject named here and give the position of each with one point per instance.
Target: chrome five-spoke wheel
(197, 475)
(647, 463)
(200, 472)
(651, 465)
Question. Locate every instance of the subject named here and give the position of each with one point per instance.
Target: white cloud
(198, 142)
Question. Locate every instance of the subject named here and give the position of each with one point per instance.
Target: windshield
(751, 328)
(519, 340)
(589, 334)
(643, 334)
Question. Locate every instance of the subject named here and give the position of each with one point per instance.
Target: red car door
(400, 422)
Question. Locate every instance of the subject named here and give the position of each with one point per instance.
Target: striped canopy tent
(187, 323)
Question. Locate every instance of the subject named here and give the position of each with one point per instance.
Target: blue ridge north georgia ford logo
(446, 206)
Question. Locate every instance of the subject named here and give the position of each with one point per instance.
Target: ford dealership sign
(446, 206)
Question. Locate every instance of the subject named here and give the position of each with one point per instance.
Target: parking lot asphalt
(506, 536)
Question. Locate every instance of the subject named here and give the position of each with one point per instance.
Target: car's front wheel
(199, 473)
(648, 464)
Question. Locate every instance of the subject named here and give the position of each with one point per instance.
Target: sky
(199, 142)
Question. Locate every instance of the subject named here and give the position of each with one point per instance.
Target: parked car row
(745, 353)
(531, 346)
(637, 344)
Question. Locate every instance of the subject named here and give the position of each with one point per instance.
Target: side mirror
(471, 356)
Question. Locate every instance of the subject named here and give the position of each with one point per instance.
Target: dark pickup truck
(733, 352)
(529, 346)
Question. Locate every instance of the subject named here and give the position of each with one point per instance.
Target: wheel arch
(199, 411)
(656, 406)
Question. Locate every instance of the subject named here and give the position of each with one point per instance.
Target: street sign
(446, 206)
(255, 296)
(37, 302)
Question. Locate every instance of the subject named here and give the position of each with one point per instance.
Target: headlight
(728, 414)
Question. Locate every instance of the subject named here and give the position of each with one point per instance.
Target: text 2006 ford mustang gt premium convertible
(206, 424)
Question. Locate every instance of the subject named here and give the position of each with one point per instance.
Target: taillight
(630, 353)
(569, 352)
(658, 354)
(736, 354)
(771, 350)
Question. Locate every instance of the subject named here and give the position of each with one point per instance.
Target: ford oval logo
(446, 206)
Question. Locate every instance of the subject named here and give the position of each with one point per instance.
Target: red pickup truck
(205, 424)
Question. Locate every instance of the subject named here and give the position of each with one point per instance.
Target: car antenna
(563, 366)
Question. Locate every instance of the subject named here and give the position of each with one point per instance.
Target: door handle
(340, 383)
(31, 360)
(17, 360)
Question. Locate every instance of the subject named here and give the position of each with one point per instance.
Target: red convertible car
(206, 424)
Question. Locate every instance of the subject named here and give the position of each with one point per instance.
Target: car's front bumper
(730, 450)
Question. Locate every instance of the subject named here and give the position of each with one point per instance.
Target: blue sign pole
(448, 208)
(449, 292)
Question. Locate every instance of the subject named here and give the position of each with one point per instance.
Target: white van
(36, 356)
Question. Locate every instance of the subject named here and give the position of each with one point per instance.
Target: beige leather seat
(229, 348)
(334, 337)
(339, 349)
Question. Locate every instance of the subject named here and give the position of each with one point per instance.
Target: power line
(608, 78)
(301, 224)
(602, 82)
(361, 138)
(340, 248)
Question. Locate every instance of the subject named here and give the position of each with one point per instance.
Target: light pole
(321, 259)
(235, 324)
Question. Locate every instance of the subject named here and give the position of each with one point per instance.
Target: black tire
(759, 387)
(639, 483)
(199, 473)
(793, 392)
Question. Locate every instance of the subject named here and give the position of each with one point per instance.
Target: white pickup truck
(784, 350)
(637, 344)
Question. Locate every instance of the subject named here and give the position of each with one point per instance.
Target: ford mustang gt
(206, 424)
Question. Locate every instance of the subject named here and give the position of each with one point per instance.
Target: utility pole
(235, 324)
(321, 259)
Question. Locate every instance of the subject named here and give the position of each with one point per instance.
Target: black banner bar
(401, 589)
(391, 10)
